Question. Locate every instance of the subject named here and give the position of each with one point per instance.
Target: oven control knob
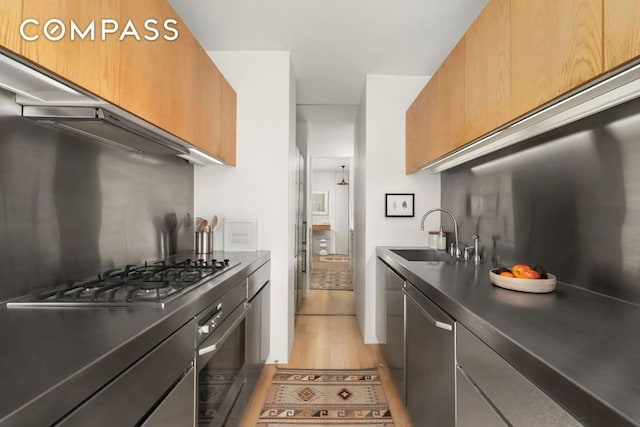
(204, 329)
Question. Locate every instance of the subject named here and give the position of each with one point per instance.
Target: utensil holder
(204, 242)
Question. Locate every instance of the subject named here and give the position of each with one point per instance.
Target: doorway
(331, 278)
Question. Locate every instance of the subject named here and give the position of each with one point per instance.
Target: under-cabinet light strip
(608, 93)
(200, 158)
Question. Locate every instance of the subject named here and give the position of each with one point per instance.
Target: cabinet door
(157, 78)
(253, 335)
(555, 47)
(430, 375)
(420, 119)
(450, 89)
(621, 32)
(229, 106)
(91, 64)
(488, 70)
(208, 106)
(10, 19)
(265, 326)
(435, 119)
(393, 349)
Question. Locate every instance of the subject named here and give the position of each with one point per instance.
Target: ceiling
(334, 44)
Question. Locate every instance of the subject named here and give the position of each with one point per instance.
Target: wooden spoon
(214, 223)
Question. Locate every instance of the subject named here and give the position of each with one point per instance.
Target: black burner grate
(148, 282)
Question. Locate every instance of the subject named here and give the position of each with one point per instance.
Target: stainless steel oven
(221, 357)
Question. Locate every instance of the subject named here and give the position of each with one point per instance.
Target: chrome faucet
(456, 248)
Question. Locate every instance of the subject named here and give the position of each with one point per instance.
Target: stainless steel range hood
(95, 122)
(47, 100)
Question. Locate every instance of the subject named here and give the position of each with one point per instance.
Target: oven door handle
(234, 320)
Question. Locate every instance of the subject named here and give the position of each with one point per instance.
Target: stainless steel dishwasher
(393, 348)
(430, 361)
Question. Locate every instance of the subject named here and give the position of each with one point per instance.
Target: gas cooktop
(148, 284)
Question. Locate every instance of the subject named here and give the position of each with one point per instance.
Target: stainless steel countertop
(579, 347)
(54, 358)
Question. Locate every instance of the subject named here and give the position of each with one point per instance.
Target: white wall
(293, 193)
(359, 182)
(255, 189)
(380, 161)
(327, 139)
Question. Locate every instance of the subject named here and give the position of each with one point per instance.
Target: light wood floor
(328, 302)
(326, 342)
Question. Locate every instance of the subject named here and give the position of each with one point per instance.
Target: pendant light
(343, 182)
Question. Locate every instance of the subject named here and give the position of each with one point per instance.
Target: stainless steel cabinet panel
(265, 327)
(520, 401)
(256, 351)
(257, 279)
(129, 397)
(472, 409)
(430, 352)
(393, 349)
(254, 332)
(178, 408)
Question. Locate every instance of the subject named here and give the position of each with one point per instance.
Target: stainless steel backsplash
(71, 207)
(568, 200)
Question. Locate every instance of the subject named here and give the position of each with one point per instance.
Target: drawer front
(128, 398)
(520, 401)
(473, 409)
(257, 279)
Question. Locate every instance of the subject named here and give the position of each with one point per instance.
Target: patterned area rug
(346, 397)
(334, 258)
(331, 279)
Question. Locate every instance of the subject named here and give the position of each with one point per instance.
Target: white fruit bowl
(537, 286)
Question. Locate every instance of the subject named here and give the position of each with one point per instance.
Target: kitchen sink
(424, 255)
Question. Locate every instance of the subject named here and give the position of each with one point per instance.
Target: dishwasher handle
(234, 320)
(436, 323)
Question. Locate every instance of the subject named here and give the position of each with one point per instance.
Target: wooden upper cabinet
(555, 46)
(488, 70)
(157, 76)
(621, 32)
(229, 107)
(90, 64)
(420, 118)
(208, 107)
(450, 94)
(434, 122)
(10, 19)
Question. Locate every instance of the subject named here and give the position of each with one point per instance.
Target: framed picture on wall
(240, 235)
(399, 204)
(320, 203)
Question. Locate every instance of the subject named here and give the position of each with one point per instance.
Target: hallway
(327, 336)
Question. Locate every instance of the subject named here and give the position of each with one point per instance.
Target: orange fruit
(506, 274)
(519, 270)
